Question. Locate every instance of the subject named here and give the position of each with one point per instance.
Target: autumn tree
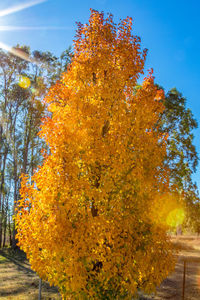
(87, 219)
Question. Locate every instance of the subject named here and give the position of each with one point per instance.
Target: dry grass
(19, 282)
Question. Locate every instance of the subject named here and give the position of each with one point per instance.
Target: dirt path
(172, 286)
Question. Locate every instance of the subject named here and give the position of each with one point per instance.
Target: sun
(14, 9)
(11, 10)
(24, 82)
(19, 7)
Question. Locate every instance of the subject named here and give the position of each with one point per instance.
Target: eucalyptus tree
(179, 124)
(25, 77)
(178, 121)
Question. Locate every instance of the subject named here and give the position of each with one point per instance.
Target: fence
(186, 262)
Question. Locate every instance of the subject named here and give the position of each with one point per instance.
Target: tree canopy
(178, 121)
(89, 220)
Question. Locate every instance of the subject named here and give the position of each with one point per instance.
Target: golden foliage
(86, 222)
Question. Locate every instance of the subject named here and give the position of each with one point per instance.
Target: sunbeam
(23, 55)
(19, 7)
(16, 52)
(19, 52)
(16, 28)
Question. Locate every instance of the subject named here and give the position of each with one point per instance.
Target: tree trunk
(14, 241)
(10, 231)
(2, 194)
(5, 227)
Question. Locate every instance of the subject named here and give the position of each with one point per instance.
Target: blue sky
(169, 29)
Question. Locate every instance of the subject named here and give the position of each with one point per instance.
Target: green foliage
(178, 121)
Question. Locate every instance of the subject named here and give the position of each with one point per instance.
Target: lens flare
(24, 82)
(39, 28)
(175, 217)
(33, 90)
(18, 52)
(19, 7)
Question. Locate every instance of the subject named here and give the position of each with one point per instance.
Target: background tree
(92, 228)
(10, 66)
(178, 123)
(24, 80)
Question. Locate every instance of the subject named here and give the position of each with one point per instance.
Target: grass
(18, 281)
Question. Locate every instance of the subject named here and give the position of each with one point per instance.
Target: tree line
(23, 84)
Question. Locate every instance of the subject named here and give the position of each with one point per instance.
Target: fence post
(184, 268)
(40, 289)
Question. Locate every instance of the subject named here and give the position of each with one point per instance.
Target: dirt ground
(172, 287)
(19, 282)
